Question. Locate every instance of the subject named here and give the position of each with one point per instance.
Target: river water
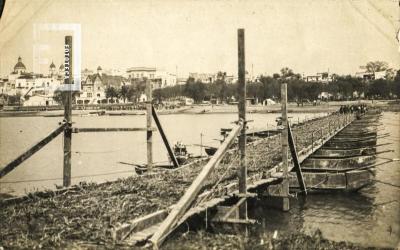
(105, 156)
(369, 217)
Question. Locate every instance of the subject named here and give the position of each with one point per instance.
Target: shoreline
(205, 109)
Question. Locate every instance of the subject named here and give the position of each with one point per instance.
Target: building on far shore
(93, 87)
(159, 78)
(367, 76)
(203, 77)
(33, 88)
(324, 77)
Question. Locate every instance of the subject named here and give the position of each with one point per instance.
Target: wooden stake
(148, 125)
(68, 81)
(242, 116)
(15, 163)
(284, 138)
(165, 140)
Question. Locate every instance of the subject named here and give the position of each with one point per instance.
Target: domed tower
(19, 67)
(52, 69)
(61, 70)
(99, 69)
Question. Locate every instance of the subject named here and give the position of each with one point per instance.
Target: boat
(324, 152)
(102, 112)
(181, 153)
(210, 150)
(349, 181)
(343, 163)
(350, 144)
(337, 164)
(117, 114)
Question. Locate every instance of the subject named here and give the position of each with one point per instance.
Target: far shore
(205, 109)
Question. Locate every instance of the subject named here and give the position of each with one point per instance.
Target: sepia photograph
(200, 124)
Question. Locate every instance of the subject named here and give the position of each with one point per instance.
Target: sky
(182, 36)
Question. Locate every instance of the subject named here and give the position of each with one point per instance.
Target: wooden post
(329, 127)
(67, 94)
(201, 144)
(312, 141)
(165, 139)
(242, 116)
(285, 140)
(149, 134)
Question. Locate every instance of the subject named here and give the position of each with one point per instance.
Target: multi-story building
(323, 77)
(203, 77)
(141, 72)
(29, 84)
(372, 75)
(92, 89)
(158, 78)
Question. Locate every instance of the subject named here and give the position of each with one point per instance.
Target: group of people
(346, 109)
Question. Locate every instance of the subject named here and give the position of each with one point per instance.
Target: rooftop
(132, 69)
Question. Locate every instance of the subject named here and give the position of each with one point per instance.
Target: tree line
(340, 88)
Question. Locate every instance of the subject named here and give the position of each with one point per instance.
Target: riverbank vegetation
(344, 87)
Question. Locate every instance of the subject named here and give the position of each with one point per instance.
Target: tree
(286, 73)
(14, 99)
(195, 89)
(376, 66)
(379, 88)
(111, 92)
(59, 96)
(396, 84)
(221, 88)
(124, 92)
(132, 94)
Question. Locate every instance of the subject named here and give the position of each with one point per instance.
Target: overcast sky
(201, 36)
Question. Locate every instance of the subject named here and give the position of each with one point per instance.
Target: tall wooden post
(148, 125)
(67, 94)
(242, 116)
(284, 138)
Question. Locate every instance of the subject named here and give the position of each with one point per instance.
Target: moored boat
(350, 144)
(349, 181)
(210, 150)
(337, 164)
(325, 152)
(181, 153)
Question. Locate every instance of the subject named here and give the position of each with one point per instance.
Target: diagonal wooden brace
(296, 162)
